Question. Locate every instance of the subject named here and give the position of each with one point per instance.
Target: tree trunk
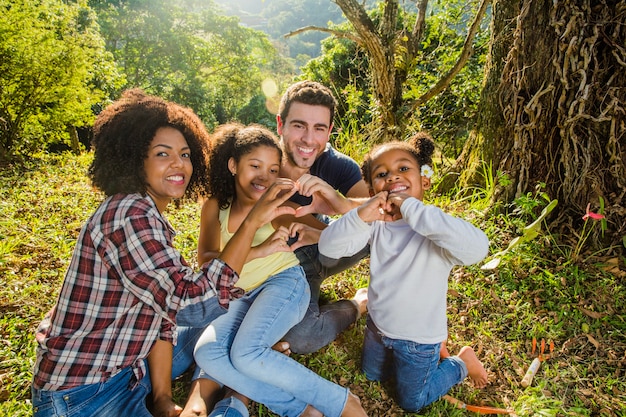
(553, 109)
(392, 54)
(74, 142)
(380, 44)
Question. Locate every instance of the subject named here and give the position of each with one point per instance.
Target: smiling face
(255, 172)
(397, 171)
(305, 133)
(168, 166)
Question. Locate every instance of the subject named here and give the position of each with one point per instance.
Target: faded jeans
(236, 350)
(322, 324)
(116, 396)
(420, 377)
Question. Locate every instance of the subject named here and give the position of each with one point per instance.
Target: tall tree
(53, 69)
(553, 109)
(393, 53)
(448, 116)
(188, 52)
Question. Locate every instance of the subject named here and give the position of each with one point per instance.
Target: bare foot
(282, 347)
(353, 407)
(476, 370)
(311, 411)
(203, 395)
(360, 298)
(165, 407)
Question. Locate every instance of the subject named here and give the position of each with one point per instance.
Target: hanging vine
(563, 97)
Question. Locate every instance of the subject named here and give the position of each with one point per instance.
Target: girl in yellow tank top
(236, 349)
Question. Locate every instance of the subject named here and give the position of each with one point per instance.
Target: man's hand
(326, 200)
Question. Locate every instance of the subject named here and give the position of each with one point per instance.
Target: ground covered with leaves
(543, 289)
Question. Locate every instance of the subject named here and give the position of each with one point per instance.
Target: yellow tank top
(257, 271)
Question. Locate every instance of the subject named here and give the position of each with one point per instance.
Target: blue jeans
(420, 377)
(322, 324)
(229, 407)
(116, 396)
(200, 314)
(236, 350)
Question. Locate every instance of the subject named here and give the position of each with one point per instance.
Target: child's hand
(277, 242)
(270, 205)
(307, 235)
(394, 202)
(375, 208)
(383, 206)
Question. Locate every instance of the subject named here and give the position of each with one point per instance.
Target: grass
(535, 292)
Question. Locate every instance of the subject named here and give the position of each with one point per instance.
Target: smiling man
(330, 183)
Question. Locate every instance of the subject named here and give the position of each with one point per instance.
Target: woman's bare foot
(203, 395)
(353, 407)
(360, 299)
(476, 370)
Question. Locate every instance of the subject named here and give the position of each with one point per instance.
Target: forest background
(525, 100)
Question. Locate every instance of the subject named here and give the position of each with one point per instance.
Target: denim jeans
(322, 324)
(230, 407)
(116, 396)
(200, 314)
(420, 377)
(236, 350)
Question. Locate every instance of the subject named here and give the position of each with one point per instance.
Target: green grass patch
(535, 292)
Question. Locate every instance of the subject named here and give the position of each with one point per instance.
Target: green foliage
(449, 116)
(53, 69)
(189, 53)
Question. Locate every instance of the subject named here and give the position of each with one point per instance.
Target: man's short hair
(307, 92)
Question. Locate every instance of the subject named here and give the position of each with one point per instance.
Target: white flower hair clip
(426, 171)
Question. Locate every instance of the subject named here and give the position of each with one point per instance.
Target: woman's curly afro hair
(420, 145)
(122, 135)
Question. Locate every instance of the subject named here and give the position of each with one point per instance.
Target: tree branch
(463, 58)
(337, 33)
(420, 25)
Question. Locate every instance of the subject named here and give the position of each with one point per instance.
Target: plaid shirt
(121, 293)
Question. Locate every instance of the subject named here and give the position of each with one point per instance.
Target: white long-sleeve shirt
(410, 262)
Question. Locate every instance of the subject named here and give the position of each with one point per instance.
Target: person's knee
(410, 405)
(411, 399)
(246, 358)
(305, 337)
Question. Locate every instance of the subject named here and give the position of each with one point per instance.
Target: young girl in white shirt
(413, 249)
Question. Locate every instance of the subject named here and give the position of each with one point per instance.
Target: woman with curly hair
(117, 308)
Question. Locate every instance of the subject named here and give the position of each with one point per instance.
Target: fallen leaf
(592, 340)
(592, 314)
